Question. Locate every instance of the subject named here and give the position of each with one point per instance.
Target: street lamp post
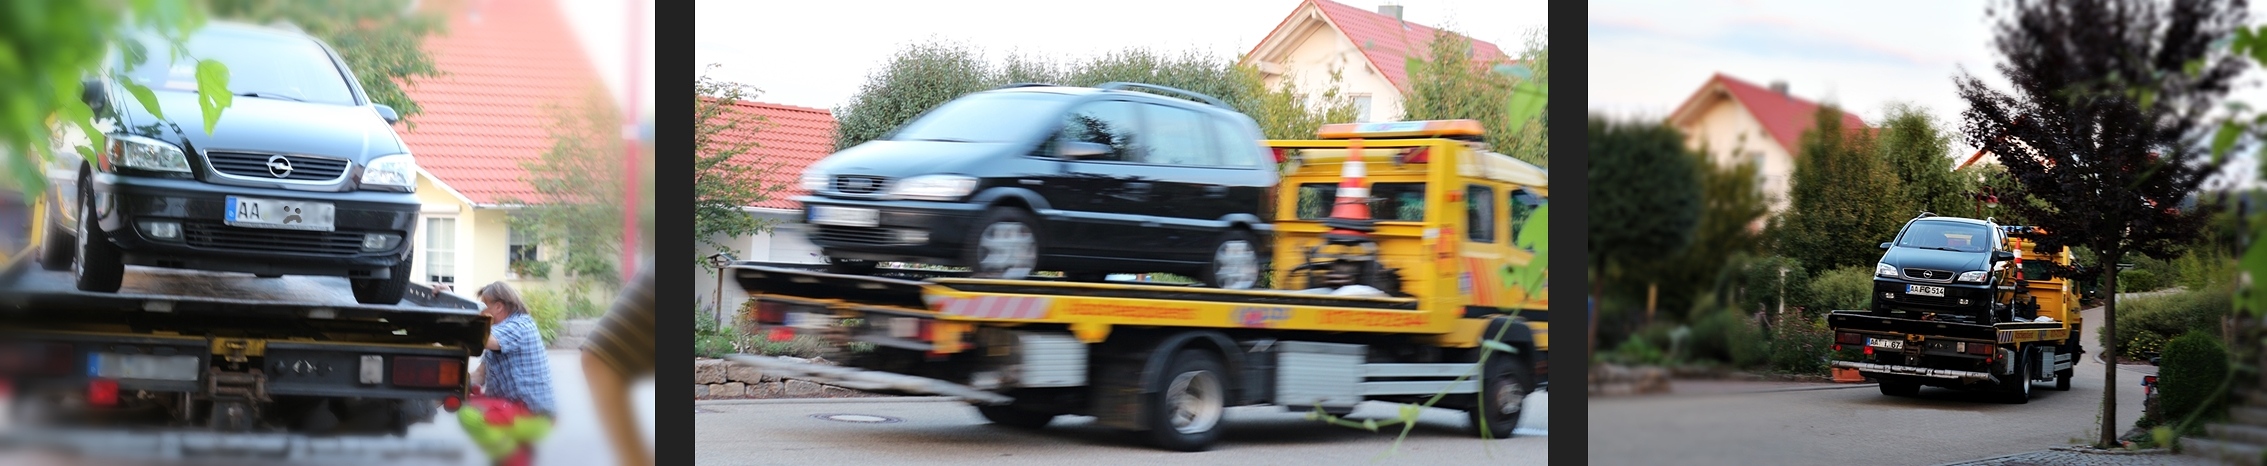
(720, 261)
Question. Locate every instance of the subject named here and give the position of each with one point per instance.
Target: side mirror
(1885, 245)
(388, 114)
(1080, 150)
(2002, 256)
(95, 93)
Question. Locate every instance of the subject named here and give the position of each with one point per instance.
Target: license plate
(805, 320)
(845, 216)
(905, 327)
(1885, 343)
(280, 214)
(1925, 290)
(144, 367)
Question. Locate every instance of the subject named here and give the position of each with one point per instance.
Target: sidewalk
(2075, 457)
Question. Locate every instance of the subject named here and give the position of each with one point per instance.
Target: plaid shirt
(521, 371)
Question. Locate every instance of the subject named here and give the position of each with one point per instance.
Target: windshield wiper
(271, 95)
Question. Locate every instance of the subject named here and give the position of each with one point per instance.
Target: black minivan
(1087, 181)
(1948, 266)
(302, 175)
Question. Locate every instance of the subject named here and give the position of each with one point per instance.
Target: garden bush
(1727, 336)
(2137, 280)
(548, 309)
(2145, 323)
(2196, 365)
(1800, 344)
(1843, 288)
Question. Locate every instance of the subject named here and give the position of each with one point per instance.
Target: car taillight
(771, 312)
(428, 372)
(102, 392)
(1849, 338)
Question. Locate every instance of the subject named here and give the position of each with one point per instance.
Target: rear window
(1403, 202)
(993, 117)
(1949, 236)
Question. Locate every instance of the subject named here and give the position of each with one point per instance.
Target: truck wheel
(96, 264)
(2062, 380)
(1011, 416)
(385, 290)
(2017, 386)
(54, 252)
(1899, 388)
(1005, 245)
(1503, 394)
(1185, 414)
(1237, 262)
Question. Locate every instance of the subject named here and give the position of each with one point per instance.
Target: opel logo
(279, 166)
(860, 184)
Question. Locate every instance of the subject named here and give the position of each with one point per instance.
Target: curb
(773, 401)
(1805, 389)
(1980, 460)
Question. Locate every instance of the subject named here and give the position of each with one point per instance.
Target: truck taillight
(1848, 338)
(428, 372)
(771, 312)
(1975, 348)
(102, 392)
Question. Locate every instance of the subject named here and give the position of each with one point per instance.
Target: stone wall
(717, 379)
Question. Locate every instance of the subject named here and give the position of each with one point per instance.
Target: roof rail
(1016, 85)
(1926, 214)
(1112, 86)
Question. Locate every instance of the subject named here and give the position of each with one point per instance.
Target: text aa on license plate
(281, 214)
(143, 366)
(1885, 343)
(845, 216)
(1925, 290)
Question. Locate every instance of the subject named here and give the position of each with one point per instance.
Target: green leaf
(1499, 346)
(1370, 424)
(212, 91)
(2224, 140)
(142, 94)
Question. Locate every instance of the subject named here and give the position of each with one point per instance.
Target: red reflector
(451, 403)
(102, 392)
(782, 334)
(1837, 347)
(2148, 379)
(1869, 351)
(928, 330)
(428, 372)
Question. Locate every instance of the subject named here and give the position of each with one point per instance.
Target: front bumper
(907, 231)
(207, 243)
(1961, 298)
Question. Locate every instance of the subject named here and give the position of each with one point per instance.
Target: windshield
(259, 65)
(1949, 236)
(996, 117)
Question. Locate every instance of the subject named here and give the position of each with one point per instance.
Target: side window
(1480, 213)
(1110, 123)
(1523, 205)
(1178, 136)
(1229, 140)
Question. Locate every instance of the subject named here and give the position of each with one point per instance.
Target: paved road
(1855, 424)
(927, 431)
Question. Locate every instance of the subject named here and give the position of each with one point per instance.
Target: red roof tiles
(1785, 117)
(788, 139)
(502, 62)
(1386, 41)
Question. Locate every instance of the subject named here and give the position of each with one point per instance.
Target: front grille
(1930, 275)
(218, 236)
(859, 184)
(251, 165)
(856, 235)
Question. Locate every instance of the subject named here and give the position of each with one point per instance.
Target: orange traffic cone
(1350, 219)
(2018, 257)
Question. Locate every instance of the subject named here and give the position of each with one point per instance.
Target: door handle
(1138, 188)
(1216, 191)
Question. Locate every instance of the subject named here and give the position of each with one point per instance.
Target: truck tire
(1011, 416)
(1185, 414)
(1900, 388)
(1503, 394)
(2016, 387)
(383, 290)
(1011, 239)
(2062, 380)
(55, 251)
(1237, 262)
(96, 265)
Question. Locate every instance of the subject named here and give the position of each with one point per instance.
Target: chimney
(1390, 10)
(1780, 87)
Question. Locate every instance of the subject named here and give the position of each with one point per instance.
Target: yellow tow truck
(1390, 308)
(2032, 335)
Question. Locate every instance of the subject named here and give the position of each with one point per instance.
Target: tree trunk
(2109, 348)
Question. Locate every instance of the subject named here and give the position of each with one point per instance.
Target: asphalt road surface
(1856, 425)
(929, 431)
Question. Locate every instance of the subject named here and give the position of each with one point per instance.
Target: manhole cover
(857, 418)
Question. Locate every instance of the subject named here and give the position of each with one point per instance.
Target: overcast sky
(602, 27)
(1646, 57)
(817, 53)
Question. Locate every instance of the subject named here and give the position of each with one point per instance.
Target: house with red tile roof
(1738, 122)
(787, 140)
(1370, 50)
(503, 62)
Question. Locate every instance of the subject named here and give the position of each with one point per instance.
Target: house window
(1361, 108)
(441, 250)
(521, 249)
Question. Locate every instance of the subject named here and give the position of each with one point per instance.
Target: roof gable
(1386, 42)
(1784, 117)
(788, 139)
(502, 62)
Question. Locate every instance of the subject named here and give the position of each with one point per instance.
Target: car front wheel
(1237, 262)
(383, 290)
(96, 264)
(1005, 245)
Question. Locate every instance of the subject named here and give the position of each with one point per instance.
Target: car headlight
(814, 180)
(1974, 276)
(398, 172)
(147, 154)
(1883, 269)
(935, 187)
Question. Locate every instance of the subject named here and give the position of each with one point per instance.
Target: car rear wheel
(58, 245)
(1236, 262)
(383, 290)
(1005, 245)
(96, 265)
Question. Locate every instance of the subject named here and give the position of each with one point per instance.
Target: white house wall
(1322, 49)
(1733, 136)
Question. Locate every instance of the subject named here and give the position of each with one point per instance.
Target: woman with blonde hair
(513, 407)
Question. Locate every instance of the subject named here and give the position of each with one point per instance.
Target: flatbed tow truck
(1166, 360)
(2035, 340)
(225, 368)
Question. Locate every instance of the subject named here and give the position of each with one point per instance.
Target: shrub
(2144, 323)
(548, 309)
(1761, 286)
(1638, 351)
(2195, 366)
(2137, 280)
(2200, 270)
(1843, 288)
(1800, 344)
(1726, 335)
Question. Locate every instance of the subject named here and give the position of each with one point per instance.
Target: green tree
(2107, 127)
(1646, 199)
(1843, 201)
(50, 46)
(1919, 154)
(722, 186)
(1730, 201)
(576, 214)
(381, 40)
(915, 79)
(1447, 82)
